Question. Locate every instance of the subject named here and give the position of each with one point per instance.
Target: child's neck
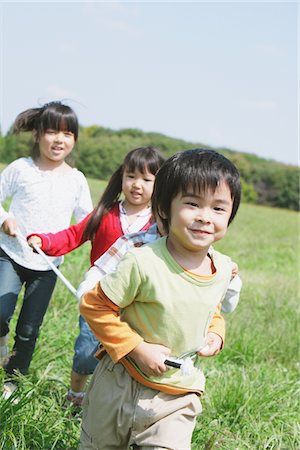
(198, 262)
(58, 166)
(133, 210)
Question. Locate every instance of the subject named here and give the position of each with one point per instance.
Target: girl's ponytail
(26, 120)
(109, 197)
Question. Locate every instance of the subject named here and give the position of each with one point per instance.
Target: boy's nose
(203, 216)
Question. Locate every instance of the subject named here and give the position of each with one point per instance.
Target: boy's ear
(35, 135)
(162, 215)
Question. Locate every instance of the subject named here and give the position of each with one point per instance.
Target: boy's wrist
(118, 352)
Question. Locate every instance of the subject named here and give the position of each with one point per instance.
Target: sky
(223, 74)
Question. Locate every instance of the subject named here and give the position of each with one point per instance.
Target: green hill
(100, 150)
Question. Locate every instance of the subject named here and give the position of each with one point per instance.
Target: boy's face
(198, 220)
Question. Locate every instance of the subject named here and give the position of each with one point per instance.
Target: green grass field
(252, 390)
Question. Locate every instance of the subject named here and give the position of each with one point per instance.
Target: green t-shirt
(164, 303)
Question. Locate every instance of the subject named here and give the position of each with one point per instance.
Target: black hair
(53, 115)
(199, 169)
(142, 159)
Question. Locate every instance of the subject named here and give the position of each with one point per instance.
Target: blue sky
(216, 73)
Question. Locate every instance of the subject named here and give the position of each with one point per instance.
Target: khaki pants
(119, 412)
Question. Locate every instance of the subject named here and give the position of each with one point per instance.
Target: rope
(52, 267)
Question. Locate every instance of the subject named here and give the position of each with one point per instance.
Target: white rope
(53, 267)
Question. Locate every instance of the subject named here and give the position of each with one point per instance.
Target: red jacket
(62, 242)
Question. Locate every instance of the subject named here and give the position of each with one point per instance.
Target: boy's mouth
(200, 232)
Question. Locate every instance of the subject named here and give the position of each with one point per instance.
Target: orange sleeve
(103, 317)
(217, 324)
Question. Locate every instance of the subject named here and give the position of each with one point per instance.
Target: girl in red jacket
(110, 219)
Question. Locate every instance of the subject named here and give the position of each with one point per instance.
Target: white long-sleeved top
(41, 201)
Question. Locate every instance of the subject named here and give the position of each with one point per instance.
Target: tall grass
(252, 387)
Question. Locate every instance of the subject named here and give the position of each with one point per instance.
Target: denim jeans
(85, 347)
(39, 286)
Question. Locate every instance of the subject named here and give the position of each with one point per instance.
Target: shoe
(9, 389)
(75, 400)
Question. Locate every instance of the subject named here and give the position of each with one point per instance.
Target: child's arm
(103, 317)
(117, 337)
(105, 264)
(150, 358)
(109, 261)
(84, 204)
(213, 345)
(10, 227)
(232, 295)
(62, 242)
(217, 325)
(91, 278)
(8, 186)
(216, 335)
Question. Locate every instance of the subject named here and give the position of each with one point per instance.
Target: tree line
(100, 150)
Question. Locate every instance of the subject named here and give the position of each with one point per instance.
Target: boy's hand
(9, 226)
(34, 240)
(150, 358)
(212, 345)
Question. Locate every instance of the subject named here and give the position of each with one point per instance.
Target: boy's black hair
(53, 115)
(197, 169)
(142, 159)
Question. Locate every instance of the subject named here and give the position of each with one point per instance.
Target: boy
(108, 263)
(158, 303)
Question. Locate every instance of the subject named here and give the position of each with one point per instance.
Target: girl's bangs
(59, 121)
(142, 161)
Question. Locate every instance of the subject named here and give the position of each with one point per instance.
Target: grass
(96, 188)
(252, 389)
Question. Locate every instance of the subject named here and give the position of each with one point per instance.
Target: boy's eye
(218, 208)
(68, 133)
(192, 204)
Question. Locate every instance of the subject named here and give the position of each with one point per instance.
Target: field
(251, 401)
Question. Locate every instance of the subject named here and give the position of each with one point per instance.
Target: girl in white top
(45, 192)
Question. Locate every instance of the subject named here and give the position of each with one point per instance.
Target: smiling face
(54, 147)
(200, 219)
(137, 188)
